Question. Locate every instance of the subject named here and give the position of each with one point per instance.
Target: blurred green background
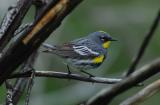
(126, 20)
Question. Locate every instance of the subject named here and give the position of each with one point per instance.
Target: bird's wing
(84, 50)
(71, 50)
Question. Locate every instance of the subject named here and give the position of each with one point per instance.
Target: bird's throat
(106, 44)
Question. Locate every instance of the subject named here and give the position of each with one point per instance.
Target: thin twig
(29, 88)
(147, 92)
(63, 75)
(22, 28)
(106, 95)
(144, 45)
(19, 89)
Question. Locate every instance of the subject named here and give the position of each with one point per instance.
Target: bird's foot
(90, 75)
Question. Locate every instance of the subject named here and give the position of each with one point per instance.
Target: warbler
(85, 53)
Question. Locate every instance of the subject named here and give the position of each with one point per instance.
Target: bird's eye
(104, 39)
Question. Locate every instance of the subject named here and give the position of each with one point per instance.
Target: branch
(105, 96)
(9, 94)
(63, 75)
(40, 6)
(19, 89)
(21, 83)
(144, 45)
(26, 83)
(143, 94)
(24, 46)
(12, 21)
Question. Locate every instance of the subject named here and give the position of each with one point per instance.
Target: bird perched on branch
(84, 53)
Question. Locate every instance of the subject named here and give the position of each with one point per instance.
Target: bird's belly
(83, 64)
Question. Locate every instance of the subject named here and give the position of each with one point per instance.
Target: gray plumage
(80, 53)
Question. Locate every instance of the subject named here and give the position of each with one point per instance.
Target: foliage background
(126, 20)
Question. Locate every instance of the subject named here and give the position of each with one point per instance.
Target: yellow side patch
(106, 44)
(98, 59)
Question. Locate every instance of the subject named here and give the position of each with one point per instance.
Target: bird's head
(102, 38)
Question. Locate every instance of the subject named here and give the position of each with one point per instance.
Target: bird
(84, 53)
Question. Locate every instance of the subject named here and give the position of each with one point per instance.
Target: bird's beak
(113, 40)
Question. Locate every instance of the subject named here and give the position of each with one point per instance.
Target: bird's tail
(49, 48)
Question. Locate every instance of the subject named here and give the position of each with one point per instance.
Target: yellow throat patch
(106, 44)
(98, 59)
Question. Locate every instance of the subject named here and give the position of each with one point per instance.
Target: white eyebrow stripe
(83, 50)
